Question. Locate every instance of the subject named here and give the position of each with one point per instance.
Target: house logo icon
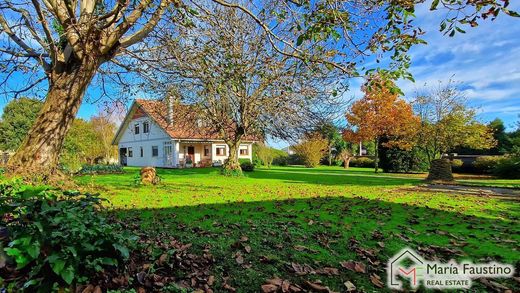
(407, 264)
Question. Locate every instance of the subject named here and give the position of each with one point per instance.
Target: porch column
(175, 145)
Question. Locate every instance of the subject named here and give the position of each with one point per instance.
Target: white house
(161, 134)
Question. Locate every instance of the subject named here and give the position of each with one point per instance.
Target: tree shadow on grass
(325, 178)
(322, 232)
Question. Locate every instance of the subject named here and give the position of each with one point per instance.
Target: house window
(136, 129)
(146, 127)
(142, 152)
(244, 151)
(130, 152)
(221, 150)
(206, 151)
(155, 151)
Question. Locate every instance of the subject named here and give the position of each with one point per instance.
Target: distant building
(163, 134)
(289, 150)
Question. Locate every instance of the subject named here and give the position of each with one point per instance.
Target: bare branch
(23, 45)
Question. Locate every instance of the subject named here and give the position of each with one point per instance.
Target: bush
(58, 238)
(311, 150)
(456, 163)
(395, 160)
(281, 160)
(247, 166)
(362, 162)
(486, 164)
(101, 169)
(508, 167)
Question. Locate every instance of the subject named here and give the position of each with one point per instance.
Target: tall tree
(68, 41)
(64, 44)
(381, 113)
(17, 119)
(447, 122)
(241, 87)
(105, 130)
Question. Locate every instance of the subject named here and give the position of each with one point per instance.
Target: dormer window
(146, 127)
(136, 128)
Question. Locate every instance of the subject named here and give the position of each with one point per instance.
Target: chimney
(169, 104)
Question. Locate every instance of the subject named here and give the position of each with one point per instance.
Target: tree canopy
(447, 122)
(16, 120)
(60, 46)
(381, 113)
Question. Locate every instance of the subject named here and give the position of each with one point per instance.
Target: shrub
(395, 160)
(101, 169)
(281, 160)
(311, 150)
(486, 164)
(240, 161)
(362, 162)
(456, 163)
(508, 167)
(59, 238)
(247, 166)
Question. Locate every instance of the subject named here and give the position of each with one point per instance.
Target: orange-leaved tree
(381, 113)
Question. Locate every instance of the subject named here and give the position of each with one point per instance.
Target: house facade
(164, 134)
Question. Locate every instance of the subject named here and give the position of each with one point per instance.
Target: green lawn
(319, 217)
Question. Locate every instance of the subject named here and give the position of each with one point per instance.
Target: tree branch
(23, 45)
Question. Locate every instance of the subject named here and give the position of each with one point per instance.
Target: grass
(294, 215)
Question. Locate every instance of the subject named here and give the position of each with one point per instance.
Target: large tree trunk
(346, 162)
(231, 166)
(41, 148)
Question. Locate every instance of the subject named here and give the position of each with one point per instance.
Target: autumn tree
(447, 122)
(105, 129)
(381, 113)
(311, 149)
(59, 46)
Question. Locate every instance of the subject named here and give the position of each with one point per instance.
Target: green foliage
(231, 172)
(456, 163)
(486, 164)
(101, 169)
(247, 166)
(395, 160)
(17, 118)
(267, 156)
(58, 238)
(508, 167)
(82, 146)
(362, 162)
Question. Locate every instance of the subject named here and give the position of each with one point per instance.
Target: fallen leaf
(350, 286)
(317, 287)
(354, 266)
(268, 288)
(211, 280)
(327, 271)
(239, 259)
(247, 248)
(376, 280)
(162, 259)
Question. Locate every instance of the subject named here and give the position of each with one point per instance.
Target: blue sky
(486, 60)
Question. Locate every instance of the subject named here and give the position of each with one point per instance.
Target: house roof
(185, 123)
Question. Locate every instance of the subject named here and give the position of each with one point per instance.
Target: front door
(122, 156)
(168, 158)
(191, 152)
